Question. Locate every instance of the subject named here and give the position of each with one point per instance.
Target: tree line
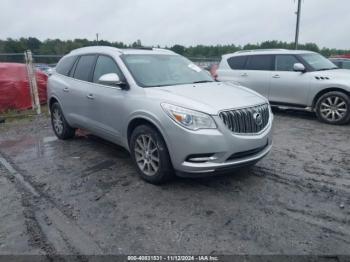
(61, 47)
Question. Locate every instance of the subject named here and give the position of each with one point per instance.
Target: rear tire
(59, 124)
(333, 108)
(150, 155)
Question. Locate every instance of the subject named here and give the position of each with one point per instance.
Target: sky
(185, 22)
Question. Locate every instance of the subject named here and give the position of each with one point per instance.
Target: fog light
(200, 158)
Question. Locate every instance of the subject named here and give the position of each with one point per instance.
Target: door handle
(66, 89)
(244, 74)
(276, 76)
(90, 96)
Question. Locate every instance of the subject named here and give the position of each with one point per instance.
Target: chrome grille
(246, 120)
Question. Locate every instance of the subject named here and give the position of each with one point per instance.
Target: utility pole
(298, 25)
(97, 39)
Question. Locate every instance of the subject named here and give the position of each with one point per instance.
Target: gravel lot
(84, 196)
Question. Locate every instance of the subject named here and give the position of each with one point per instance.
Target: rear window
(237, 62)
(84, 67)
(346, 65)
(65, 64)
(260, 62)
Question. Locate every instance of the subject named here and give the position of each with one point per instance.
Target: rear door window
(237, 62)
(260, 62)
(84, 67)
(285, 62)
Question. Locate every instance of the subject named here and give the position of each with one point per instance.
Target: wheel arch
(143, 120)
(52, 100)
(327, 90)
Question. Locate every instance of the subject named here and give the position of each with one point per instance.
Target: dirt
(84, 196)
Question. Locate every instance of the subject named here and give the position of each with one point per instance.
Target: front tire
(333, 108)
(150, 155)
(59, 124)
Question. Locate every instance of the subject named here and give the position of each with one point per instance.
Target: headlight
(187, 118)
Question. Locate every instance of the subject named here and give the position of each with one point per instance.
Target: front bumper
(227, 150)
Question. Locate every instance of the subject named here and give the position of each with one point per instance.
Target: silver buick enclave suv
(168, 113)
(292, 79)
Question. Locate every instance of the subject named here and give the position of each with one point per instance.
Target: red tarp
(342, 56)
(14, 87)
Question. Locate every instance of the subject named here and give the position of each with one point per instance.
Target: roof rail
(163, 50)
(94, 49)
(260, 50)
(139, 48)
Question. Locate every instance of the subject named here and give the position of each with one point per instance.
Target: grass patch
(15, 115)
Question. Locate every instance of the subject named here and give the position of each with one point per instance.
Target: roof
(339, 59)
(267, 52)
(113, 50)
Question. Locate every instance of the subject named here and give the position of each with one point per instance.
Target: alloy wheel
(57, 121)
(147, 155)
(333, 108)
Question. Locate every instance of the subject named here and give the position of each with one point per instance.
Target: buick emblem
(258, 119)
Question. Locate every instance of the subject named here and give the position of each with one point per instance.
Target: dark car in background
(343, 63)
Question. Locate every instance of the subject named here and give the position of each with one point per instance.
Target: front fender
(147, 116)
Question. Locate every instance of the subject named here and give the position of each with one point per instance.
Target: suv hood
(207, 97)
(341, 74)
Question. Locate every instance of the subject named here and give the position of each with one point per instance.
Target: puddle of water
(49, 139)
(34, 146)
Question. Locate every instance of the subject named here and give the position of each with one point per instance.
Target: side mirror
(298, 67)
(111, 79)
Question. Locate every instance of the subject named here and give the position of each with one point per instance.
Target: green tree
(60, 47)
(179, 49)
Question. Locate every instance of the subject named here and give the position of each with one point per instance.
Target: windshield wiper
(202, 81)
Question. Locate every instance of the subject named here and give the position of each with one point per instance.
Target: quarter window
(237, 62)
(65, 64)
(260, 62)
(285, 62)
(105, 65)
(84, 67)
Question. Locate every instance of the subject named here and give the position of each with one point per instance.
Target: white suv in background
(292, 79)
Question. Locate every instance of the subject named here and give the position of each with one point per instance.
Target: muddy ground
(84, 196)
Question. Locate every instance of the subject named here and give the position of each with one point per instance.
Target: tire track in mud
(337, 224)
(302, 182)
(48, 226)
(331, 223)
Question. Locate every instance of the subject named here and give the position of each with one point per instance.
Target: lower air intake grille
(246, 120)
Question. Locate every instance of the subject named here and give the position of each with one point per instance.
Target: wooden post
(32, 82)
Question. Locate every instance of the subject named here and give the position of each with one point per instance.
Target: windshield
(164, 70)
(318, 62)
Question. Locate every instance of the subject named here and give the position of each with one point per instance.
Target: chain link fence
(40, 61)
